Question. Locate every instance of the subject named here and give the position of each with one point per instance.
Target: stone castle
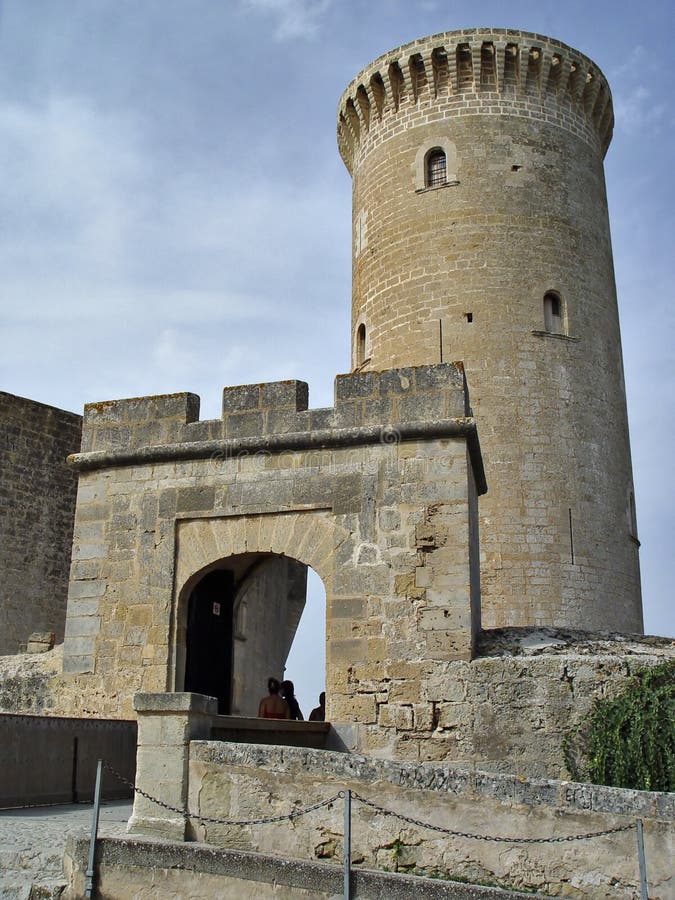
(467, 502)
(473, 475)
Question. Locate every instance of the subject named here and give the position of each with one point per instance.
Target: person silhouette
(318, 714)
(273, 706)
(288, 693)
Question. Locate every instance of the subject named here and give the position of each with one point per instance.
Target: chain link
(485, 837)
(295, 814)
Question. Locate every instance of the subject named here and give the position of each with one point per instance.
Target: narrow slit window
(553, 317)
(632, 517)
(360, 345)
(436, 168)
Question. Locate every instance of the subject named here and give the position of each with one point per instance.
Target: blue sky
(174, 214)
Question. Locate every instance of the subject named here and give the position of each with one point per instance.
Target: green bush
(629, 740)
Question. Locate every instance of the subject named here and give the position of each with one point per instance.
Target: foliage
(397, 849)
(629, 740)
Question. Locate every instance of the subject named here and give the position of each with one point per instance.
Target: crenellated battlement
(476, 72)
(370, 407)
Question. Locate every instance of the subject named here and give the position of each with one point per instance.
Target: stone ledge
(321, 439)
(441, 778)
(172, 703)
(124, 860)
(539, 641)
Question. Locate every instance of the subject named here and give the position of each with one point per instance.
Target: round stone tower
(481, 234)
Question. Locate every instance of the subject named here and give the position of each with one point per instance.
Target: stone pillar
(166, 725)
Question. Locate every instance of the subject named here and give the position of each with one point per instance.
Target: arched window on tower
(360, 345)
(436, 168)
(553, 313)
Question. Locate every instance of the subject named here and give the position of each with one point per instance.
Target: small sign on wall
(216, 609)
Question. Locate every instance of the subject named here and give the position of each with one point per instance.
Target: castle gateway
(480, 234)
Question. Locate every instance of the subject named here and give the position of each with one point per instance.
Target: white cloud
(94, 225)
(128, 271)
(640, 105)
(294, 18)
(637, 111)
(66, 170)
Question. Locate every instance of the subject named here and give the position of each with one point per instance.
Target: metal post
(89, 881)
(348, 845)
(643, 863)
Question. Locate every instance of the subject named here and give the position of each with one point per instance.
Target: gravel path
(32, 843)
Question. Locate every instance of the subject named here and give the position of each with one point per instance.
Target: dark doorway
(208, 662)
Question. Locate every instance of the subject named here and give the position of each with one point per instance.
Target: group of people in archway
(281, 703)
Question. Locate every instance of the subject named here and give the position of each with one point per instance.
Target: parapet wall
(36, 517)
(374, 405)
(235, 782)
(475, 72)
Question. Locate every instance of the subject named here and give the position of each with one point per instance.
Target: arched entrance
(267, 558)
(240, 622)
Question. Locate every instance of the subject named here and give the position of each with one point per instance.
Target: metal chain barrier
(348, 796)
(296, 813)
(484, 837)
(381, 809)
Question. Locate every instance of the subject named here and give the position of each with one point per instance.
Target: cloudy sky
(174, 214)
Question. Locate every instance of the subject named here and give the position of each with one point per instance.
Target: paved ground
(32, 842)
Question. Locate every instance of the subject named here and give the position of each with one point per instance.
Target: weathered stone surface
(460, 270)
(477, 720)
(132, 868)
(41, 642)
(36, 517)
(237, 781)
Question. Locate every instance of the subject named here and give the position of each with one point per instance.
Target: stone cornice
(318, 439)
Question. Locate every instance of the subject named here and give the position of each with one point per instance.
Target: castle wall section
(37, 512)
(234, 781)
(508, 710)
(377, 494)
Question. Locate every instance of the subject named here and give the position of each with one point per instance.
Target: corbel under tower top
(476, 71)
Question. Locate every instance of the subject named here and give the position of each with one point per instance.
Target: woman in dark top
(288, 693)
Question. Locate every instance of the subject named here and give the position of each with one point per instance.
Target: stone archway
(310, 538)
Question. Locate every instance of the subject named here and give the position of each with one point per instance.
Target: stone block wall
(510, 708)
(239, 782)
(460, 270)
(262, 417)
(37, 510)
(377, 494)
